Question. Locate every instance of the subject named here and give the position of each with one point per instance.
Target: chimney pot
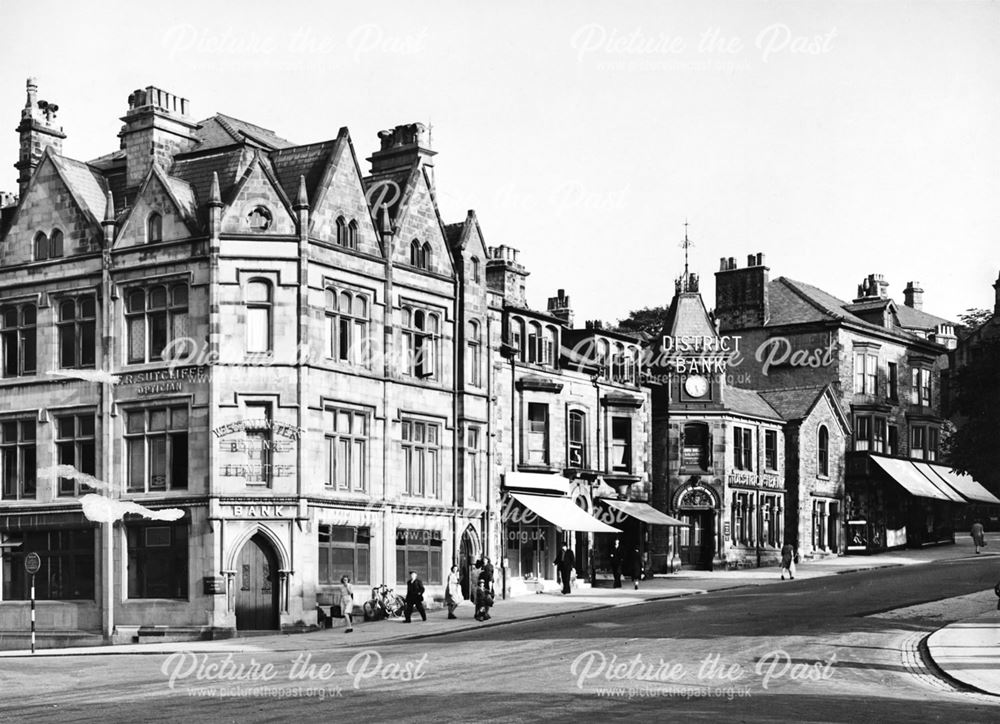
(751, 260)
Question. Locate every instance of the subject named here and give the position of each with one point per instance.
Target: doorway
(467, 554)
(695, 539)
(257, 586)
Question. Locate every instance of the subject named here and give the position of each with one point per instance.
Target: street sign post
(32, 564)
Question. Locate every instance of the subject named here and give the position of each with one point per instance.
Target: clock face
(696, 386)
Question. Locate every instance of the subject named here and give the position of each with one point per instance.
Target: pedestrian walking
(347, 603)
(487, 574)
(978, 534)
(788, 556)
(636, 567)
(484, 602)
(565, 565)
(414, 597)
(453, 591)
(616, 555)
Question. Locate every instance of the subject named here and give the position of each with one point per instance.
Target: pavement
(967, 651)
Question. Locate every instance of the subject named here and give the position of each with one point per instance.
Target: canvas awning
(915, 482)
(536, 481)
(642, 511)
(961, 482)
(563, 513)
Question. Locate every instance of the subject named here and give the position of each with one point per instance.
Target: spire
(214, 196)
(687, 282)
(302, 202)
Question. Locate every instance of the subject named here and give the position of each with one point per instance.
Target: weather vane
(685, 245)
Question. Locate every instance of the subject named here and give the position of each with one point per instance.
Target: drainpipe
(107, 439)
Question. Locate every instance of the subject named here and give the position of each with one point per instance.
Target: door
(695, 539)
(257, 587)
(467, 557)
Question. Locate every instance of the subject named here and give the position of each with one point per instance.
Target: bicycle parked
(384, 603)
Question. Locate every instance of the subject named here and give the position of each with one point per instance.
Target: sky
(840, 139)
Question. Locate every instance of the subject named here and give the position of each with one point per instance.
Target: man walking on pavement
(616, 562)
(414, 597)
(978, 534)
(565, 563)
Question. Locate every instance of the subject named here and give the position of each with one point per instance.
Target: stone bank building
(291, 350)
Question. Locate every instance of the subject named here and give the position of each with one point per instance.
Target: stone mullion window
(420, 334)
(77, 332)
(76, 446)
(347, 321)
(156, 442)
(346, 449)
(154, 317)
(19, 337)
(18, 459)
(421, 445)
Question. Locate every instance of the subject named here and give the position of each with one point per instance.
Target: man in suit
(616, 556)
(414, 597)
(566, 563)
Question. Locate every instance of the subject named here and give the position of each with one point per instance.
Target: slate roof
(87, 184)
(749, 402)
(221, 130)
(197, 173)
(687, 316)
(310, 161)
(793, 403)
(918, 319)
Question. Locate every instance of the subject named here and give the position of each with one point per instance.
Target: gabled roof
(918, 319)
(86, 185)
(309, 161)
(197, 173)
(221, 130)
(797, 403)
(750, 402)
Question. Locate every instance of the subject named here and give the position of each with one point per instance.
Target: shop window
(577, 439)
(537, 443)
(346, 449)
(155, 317)
(347, 322)
(259, 315)
(77, 332)
(743, 448)
(420, 551)
(75, 445)
(67, 571)
(770, 450)
(421, 446)
(157, 560)
(156, 444)
(740, 518)
(344, 551)
(18, 458)
(695, 446)
(18, 337)
(823, 452)
(621, 445)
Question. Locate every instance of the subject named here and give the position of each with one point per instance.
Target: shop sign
(249, 511)
(158, 382)
(214, 585)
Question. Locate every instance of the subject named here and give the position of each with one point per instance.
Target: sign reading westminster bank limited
(253, 453)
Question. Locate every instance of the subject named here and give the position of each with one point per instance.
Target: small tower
(38, 131)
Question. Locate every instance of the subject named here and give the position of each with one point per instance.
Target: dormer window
(154, 228)
(259, 219)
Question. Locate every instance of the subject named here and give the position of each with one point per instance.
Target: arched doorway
(257, 586)
(696, 507)
(467, 554)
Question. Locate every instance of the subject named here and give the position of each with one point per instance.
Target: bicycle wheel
(395, 606)
(370, 610)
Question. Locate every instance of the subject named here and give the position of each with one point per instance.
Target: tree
(975, 317)
(648, 320)
(974, 447)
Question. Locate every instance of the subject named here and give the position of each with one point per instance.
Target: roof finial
(302, 202)
(214, 195)
(109, 208)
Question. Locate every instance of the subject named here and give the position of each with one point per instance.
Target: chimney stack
(913, 295)
(741, 295)
(874, 286)
(401, 147)
(38, 131)
(505, 275)
(156, 129)
(559, 307)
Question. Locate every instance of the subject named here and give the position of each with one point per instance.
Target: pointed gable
(171, 199)
(258, 205)
(418, 220)
(63, 195)
(469, 247)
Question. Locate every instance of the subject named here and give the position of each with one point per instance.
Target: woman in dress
(453, 591)
(346, 602)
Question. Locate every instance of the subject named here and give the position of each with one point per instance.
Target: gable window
(823, 452)
(77, 330)
(474, 263)
(920, 390)
(420, 254)
(75, 445)
(770, 450)
(577, 439)
(154, 228)
(621, 444)
(537, 447)
(155, 317)
(695, 446)
(472, 453)
(347, 327)
(41, 246)
(422, 458)
(56, 244)
(17, 459)
(743, 448)
(352, 235)
(341, 231)
(420, 336)
(346, 449)
(18, 337)
(259, 219)
(344, 550)
(156, 445)
(259, 307)
(475, 355)
(157, 560)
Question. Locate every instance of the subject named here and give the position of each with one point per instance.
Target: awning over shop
(563, 513)
(915, 482)
(961, 482)
(642, 511)
(536, 481)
